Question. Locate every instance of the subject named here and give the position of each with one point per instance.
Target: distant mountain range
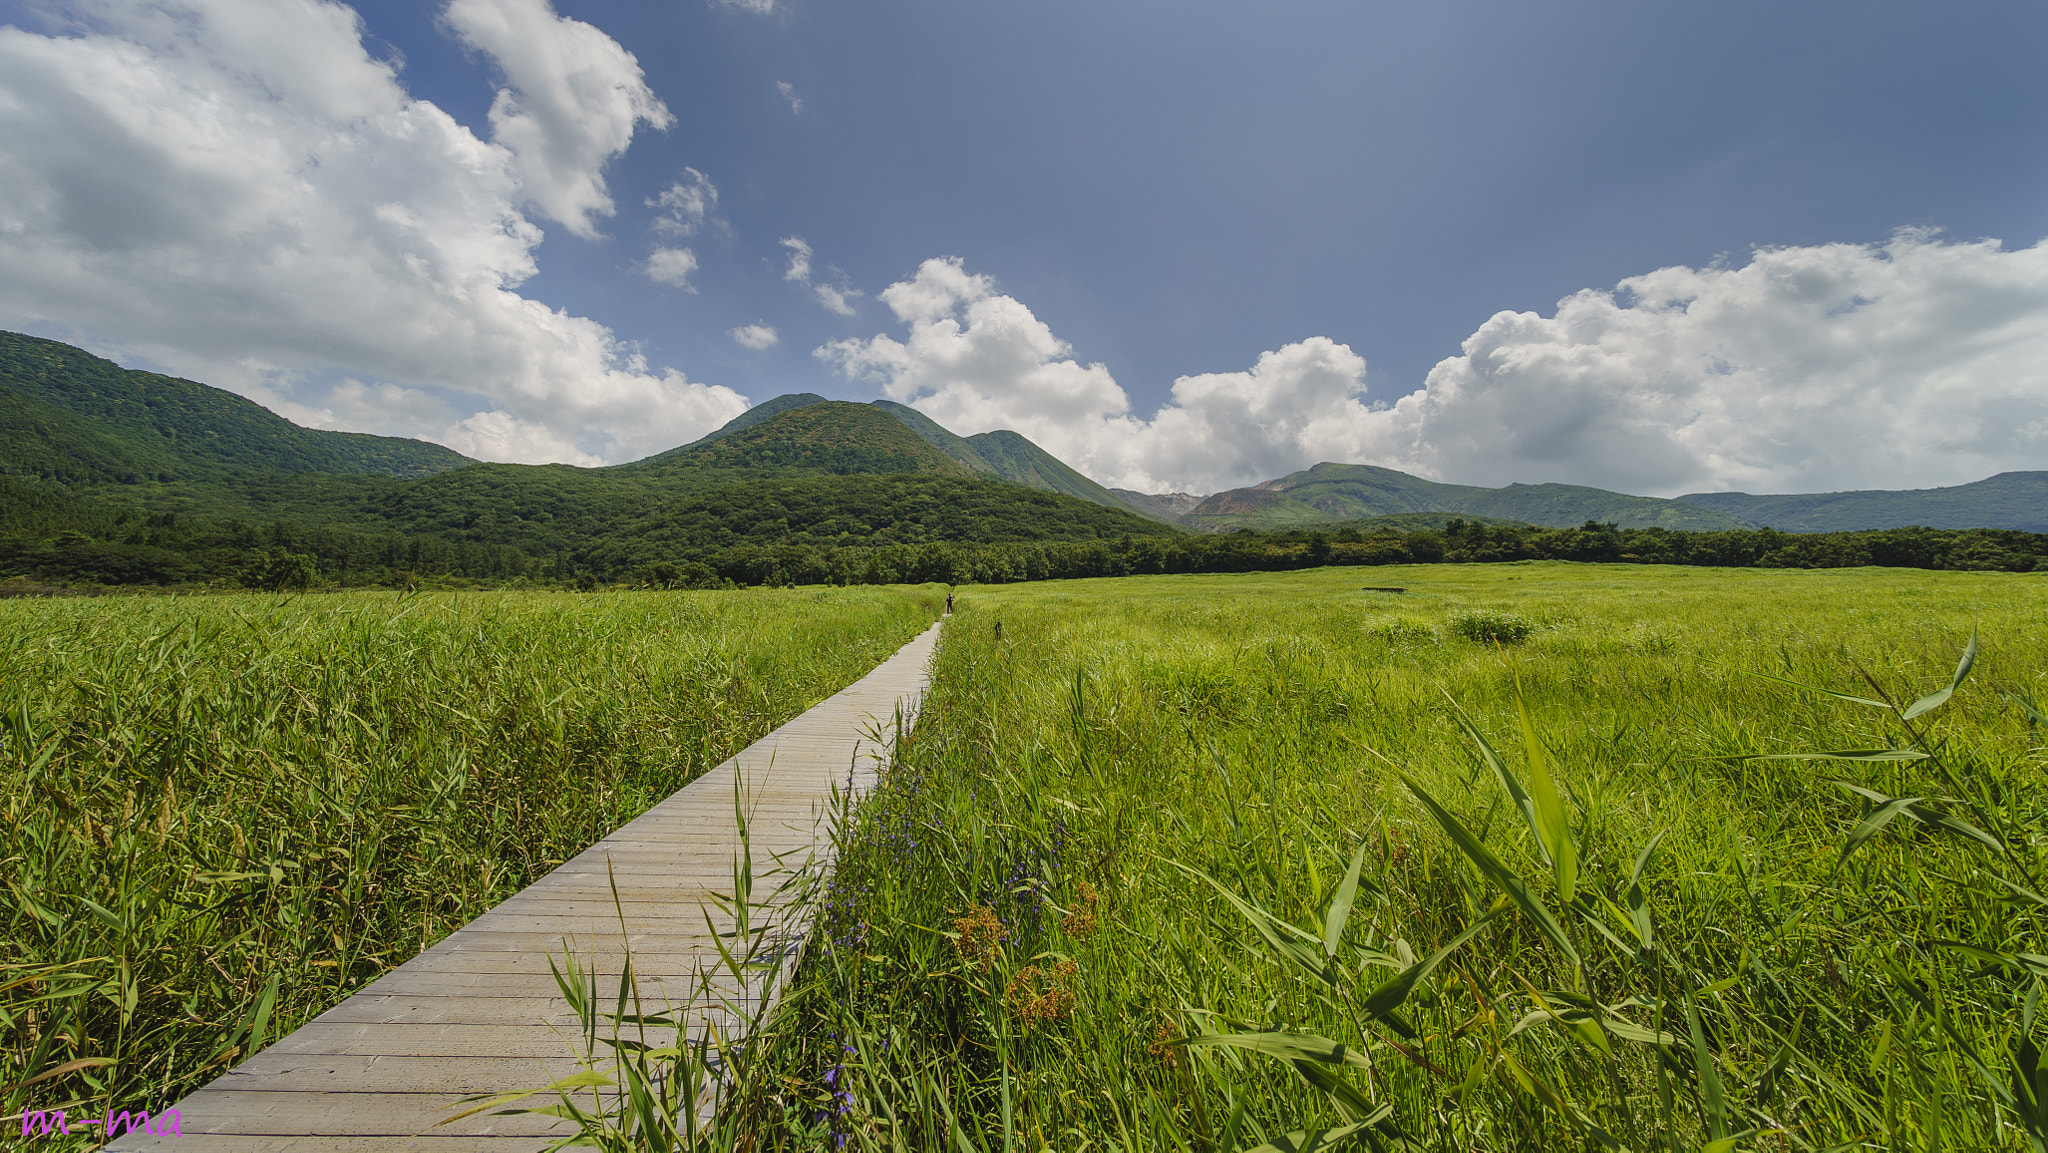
(92, 446)
(2017, 500)
(1331, 494)
(115, 476)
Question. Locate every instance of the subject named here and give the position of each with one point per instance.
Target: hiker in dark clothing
(949, 604)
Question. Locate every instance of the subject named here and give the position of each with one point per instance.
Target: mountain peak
(828, 436)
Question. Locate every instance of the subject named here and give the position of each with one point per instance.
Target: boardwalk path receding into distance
(480, 1011)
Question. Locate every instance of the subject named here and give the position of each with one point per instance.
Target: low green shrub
(1489, 627)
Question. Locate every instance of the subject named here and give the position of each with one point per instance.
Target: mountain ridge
(2006, 500)
(831, 436)
(181, 446)
(70, 416)
(1003, 454)
(1330, 493)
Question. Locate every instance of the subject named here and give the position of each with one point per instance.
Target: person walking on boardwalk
(949, 604)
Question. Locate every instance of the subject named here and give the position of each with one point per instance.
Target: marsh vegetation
(1700, 860)
(222, 815)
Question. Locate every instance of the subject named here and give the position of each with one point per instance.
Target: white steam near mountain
(238, 190)
(1911, 363)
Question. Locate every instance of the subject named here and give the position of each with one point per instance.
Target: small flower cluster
(839, 1099)
(840, 911)
(1037, 996)
(886, 843)
(979, 936)
(1162, 1046)
(1081, 921)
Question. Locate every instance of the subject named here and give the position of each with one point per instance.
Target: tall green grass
(224, 814)
(1218, 863)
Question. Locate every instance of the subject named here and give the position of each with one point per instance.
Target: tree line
(60, 541)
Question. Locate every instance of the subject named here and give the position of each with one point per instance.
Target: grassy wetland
(224, 814)
(1527, 856)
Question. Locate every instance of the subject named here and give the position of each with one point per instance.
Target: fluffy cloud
(502, 436)
(237, 191)
(572, 99)
(671, 266)
(788, 90)
(837, 298)
(685, 205)
(977, 360)
(356, 406)
(757, 7)
(756, 336)
(1910, 363)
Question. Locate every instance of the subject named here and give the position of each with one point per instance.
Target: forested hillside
(1001, 454)
(832, 437)
(2015, 500)
(69, 416)
(121, 477)
(1330, 493)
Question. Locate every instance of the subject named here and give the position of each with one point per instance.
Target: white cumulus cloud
(976, 360)
(1911, 363)
(756, 336)
(499, 435)
(572, 99)
(685, 205)
(237, 191)
(788, 90)
(671, 266)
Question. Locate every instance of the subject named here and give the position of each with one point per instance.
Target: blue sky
(1250, 198)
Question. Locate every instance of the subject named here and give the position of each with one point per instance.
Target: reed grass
(1232, 862)
(224, 814)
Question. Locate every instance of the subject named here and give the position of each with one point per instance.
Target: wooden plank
(514, 1040)
(479, 1011)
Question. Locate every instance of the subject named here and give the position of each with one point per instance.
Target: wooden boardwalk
(480, 1012)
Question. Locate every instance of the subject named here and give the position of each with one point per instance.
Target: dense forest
(869, 530)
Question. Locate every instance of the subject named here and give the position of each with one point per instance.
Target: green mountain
(1011, 456)
(1329, 493)
(938, 436)
(829, 436)
(69, 416)
(1004, 454)
(2010, 500)
(1014, 458)
(747, 419)
(834, 467)
(131, 478)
